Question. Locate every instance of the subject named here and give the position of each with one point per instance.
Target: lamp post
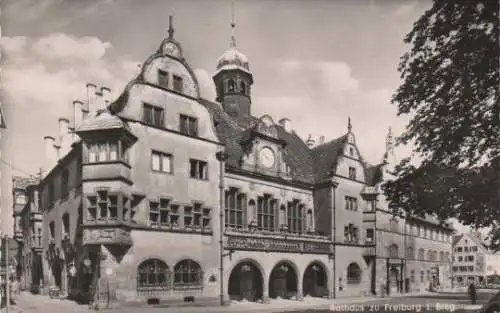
(333, 237)
(221, 157)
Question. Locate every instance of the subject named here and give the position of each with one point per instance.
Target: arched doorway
(245, 282)
(315, 283)
(394, 279)
(283, 281)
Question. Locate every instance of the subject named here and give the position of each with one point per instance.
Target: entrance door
(394, 280)
(247, 283)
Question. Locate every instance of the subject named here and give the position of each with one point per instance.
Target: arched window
(188, 273)
(441, 256)
(353, 274)
(230, 85)
(410, 253)
(429, 255)
(243, 88)
(393, 251)
(153, 274)
(447, 256)
(421, 254)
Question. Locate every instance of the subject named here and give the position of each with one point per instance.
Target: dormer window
(153, 115)
(178, 85)
(352, 173)
(162, 79)
(351, 151)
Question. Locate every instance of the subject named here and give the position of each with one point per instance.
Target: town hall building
(162, 196)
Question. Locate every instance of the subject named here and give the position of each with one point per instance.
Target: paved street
(443, 302)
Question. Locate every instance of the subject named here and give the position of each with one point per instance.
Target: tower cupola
(233, 79)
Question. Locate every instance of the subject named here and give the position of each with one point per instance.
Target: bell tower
(233, 79)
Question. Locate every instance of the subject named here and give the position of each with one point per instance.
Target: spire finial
(389, 144)
(170, 27)
(349, 125)
(233, 26)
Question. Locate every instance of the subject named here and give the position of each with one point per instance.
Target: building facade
(6, 224)
(160, 195)
(28, 233)
(473, 262)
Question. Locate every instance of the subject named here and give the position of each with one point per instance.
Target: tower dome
(233, 80)
(233, 59)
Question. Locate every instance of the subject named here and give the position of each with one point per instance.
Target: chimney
(91, 101)
(78, 113)
(63, 127)
(321, 140)
(286, 123)
(50, 151)
(99, 102)
(106, 96)
(310, 141)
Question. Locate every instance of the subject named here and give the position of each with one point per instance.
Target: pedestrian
(472, 293)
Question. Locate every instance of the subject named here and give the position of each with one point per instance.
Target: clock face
(267, 157)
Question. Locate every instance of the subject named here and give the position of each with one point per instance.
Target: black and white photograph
(265, 156)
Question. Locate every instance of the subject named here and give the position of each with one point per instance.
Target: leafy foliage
(450, 89)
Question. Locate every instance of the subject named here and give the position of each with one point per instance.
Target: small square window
(198, 169)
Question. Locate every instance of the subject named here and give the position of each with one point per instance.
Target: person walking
(472, 293)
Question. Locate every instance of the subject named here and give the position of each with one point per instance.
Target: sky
(316, 62)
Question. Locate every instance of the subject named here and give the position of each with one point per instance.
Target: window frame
(161, 157)
(177, 83)
(198, 169)
(352, 173)
(188, 125)
(295, 217)
(163, 79)
(157, 118)
(188, 274)
(266, 217)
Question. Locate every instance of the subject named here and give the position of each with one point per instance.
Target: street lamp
(221, 156)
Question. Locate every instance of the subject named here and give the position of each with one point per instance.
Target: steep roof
(101, 121)
(325, 156)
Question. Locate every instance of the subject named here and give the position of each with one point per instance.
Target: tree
(450, 89)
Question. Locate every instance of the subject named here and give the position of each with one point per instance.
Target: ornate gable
(264, 150)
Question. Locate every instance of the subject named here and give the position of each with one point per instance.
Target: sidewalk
(29, 303)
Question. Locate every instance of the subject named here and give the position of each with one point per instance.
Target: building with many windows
(473, 261)
(28, 233)
(160, 195)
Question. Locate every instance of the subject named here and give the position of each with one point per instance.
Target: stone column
(300, 292)
(265, 290)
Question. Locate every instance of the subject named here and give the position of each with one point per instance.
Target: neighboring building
(412, 253)
(6, 224)
(28, 233)
(472, 260)
(137, 198)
